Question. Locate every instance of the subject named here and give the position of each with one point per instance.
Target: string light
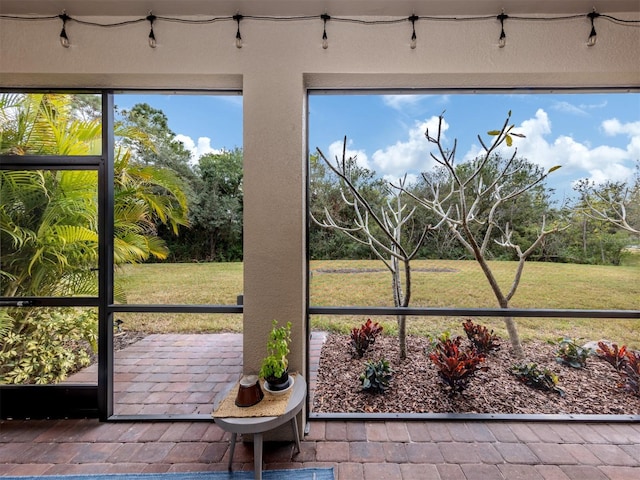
(414, 40)
(152, 36)
(237, 17)
(593, 37)
(325, 40)
(64, 39)
(502, 41)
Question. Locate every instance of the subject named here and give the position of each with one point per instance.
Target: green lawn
(436, 283)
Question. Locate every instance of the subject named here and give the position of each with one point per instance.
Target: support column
(274, 213)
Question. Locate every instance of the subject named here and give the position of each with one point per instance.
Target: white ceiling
(314, 7)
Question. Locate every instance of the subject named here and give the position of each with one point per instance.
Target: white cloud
(410, 155)
(409, 102)
(599, 163)
(580, 160)
(197, 150)
(613, 127)
(567, 107)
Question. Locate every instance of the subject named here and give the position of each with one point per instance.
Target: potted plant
(275, 365)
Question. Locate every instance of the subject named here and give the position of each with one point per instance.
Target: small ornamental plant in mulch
(456, 364)
(626, 364)
(480, 337)
(570, 353)
(377, 376)
(537, 377)
(363, 337)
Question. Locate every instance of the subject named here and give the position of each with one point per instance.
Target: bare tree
(468, 201)
(380, 231)
(611, 202)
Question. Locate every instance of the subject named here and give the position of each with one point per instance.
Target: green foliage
(537, 377)
(275, 364)
(625, 362)
(570, 353)
(480, 337)
(364, 336)
(435, 340)
(456, 365)
(377, 376)
(49, 345)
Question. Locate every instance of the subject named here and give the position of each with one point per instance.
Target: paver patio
(358, 450)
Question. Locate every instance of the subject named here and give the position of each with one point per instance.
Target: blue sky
(594, 136)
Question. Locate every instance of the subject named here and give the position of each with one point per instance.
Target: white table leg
(257, 455)
(232, 448)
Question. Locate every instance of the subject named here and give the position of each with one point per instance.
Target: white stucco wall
(278, 62)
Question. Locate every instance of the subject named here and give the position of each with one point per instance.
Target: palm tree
(48, 218)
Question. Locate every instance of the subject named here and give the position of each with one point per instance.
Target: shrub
(626, 363)
(455, 365)
(48, 346)
(364, 336)
(482, 339)
(376, 376)
(537, 377)
(570, 353)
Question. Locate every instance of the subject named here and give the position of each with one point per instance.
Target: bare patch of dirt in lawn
(416, 387)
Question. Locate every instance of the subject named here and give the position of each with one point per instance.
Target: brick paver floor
(357, 450)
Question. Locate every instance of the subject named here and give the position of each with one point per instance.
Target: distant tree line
(213, 187)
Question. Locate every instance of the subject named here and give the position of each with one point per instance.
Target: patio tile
(397, 431)
(459, 452)
(551, 472)
(395, 452)
(424, 453)
(356, 431)
(450, 472)
(620, 473)
(350, 471)
(382, 471)
(332, 452)
(376, 431)
(552, 454)
(582, 472)
(481, 472)
(517, 453)
(414, 471)
(364, 452)
(612, 455)
(336, 431)
(519, 472)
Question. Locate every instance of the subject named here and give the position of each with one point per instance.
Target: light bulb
(237, 17)
(64, 40)
(152, 36)
(152, 39)
(325, 40)
(593, 37)
(502, 41)
(414, 39)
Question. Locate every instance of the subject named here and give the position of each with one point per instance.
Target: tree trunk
(514, 337)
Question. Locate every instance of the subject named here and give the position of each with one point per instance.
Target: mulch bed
(416, 386)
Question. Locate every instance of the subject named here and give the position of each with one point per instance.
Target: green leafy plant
(434, 340)
(570, 353)
(48, 347)
(456, 365)
(364, 336)
(481, 338)
(376, 376)
(625, 362)
(275, 364)
(540, 378)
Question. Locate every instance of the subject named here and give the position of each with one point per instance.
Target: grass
(437, 283)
